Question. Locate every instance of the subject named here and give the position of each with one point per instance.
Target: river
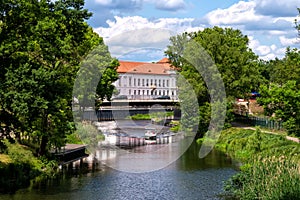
(189, 177)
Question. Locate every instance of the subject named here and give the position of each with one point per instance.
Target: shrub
(271, 167)
(268, 178)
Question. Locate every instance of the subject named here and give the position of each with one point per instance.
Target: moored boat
(150, 136)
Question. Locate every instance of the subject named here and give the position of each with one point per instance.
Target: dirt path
(245, 126)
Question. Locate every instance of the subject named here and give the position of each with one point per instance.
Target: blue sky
(139, 29)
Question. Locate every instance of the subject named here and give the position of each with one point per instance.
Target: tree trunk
(45, 139)
(43, 146)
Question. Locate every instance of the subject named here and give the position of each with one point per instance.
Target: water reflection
(142, 158)
(187, 178)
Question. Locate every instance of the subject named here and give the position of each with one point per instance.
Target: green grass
(271, 165)
(149, 116)
(19, 165)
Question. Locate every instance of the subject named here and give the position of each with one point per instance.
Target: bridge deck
(70, 153)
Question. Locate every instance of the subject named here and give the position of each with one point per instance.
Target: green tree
(42, 44)
(237, 64)
(285, 69)
(280, 96)
(235, 60)
(282, 102)
(94, 80)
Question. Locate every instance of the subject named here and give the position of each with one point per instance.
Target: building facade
(141, 80)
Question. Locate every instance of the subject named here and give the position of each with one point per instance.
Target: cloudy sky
(140, 29)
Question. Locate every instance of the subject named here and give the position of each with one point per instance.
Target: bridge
(122, 109)
(141, 102)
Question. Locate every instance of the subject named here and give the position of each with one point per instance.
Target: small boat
(150, 136)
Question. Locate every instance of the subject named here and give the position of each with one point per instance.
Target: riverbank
(270, 169)
(18, 167)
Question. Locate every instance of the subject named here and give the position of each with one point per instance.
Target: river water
(189, 177)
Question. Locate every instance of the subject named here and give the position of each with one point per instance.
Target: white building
(141, 80)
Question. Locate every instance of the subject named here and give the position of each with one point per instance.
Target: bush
(268, 178)
(271, 167)
(87, 134)
(20, 166)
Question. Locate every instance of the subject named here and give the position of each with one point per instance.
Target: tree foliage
(94, 80)
(235, 61)
(42, 44)
(280, 97)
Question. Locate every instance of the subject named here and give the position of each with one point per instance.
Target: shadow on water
(214, 160)
(187, 178)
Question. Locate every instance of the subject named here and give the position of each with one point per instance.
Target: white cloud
(267, 21)
(125, 24)
(143, 54)
(277, 8)
(270, 56)
(273, 47)
(239, 13)
(120, 4)
(265, 52)
(128, 34)
(276, 53)
(104, 2)
(281, 51)
(171, 5)
(264, 28)
(140, 38)
(288, 41)
(277, 32)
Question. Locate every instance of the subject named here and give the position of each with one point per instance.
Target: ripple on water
(162, 184)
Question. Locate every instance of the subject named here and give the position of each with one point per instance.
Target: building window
(134, 92)
(159, 83)
(129, 81)
(139, 82)
(120, 80)
(143, 82)
(147, 82)
(167, 83)
(129, 92)
(134, 82)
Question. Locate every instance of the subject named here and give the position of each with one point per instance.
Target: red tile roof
(126, 66)
(161, 67)
(164, 60)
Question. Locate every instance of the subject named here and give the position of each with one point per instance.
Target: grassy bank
(18, 166)
(271, 165)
